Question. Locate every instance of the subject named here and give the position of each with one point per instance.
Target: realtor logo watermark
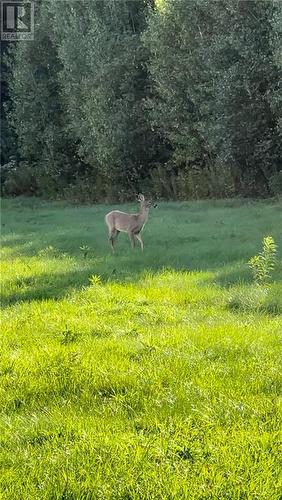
(17, 20)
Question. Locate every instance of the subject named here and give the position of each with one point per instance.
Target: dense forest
(180, 99)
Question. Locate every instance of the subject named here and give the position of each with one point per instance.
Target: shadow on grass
(246, 299)
(125, 267)
(235, 273)
(58, 285)
(256, 299)
(44, 287)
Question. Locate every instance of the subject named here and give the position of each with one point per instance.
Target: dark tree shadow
(46, 287)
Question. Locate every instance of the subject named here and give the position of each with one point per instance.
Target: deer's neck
(143, 215)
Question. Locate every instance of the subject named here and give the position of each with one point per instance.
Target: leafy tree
(212, 71)
(174, 39)
(37, 115)
(8, 142)
(276, 39)
(125, 95)
(244, 75)
(104, 85)
(275, 96)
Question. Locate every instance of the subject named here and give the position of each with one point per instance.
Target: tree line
(180, 99)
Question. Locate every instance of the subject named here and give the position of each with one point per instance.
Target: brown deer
(132, 224)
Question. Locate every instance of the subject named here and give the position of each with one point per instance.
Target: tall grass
(133, 376)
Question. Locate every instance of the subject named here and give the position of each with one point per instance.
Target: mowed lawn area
(139, 376)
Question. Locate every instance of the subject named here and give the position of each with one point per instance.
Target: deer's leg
(132, 240)
(113, 234)
(138, 236)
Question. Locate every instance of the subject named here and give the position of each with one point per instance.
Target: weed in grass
(85, 250)
(68, 336)
(263, 265)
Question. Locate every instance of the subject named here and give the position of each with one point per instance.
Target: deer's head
(146, 203)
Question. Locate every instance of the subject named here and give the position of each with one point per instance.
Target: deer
(132, 224)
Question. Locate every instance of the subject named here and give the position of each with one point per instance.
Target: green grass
(153, 376)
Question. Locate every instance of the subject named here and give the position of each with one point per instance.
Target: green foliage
(68, 336)
(263, 264)
(95, 280)
(18, 178)
(275, 183)
(213, 181)
(8, 142)
(8, 149)
(85, 250)
(181, 98)
(36, 112)
(212, 78)
(133, 376)
(245, 299)
(173, 38)
(275, 96)
(105, 108)
(241, 123)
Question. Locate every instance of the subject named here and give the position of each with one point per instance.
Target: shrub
(275, 183)
(196, 182)
(262, 265)
(18, 179)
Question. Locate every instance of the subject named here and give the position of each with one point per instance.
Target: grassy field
(153, 376)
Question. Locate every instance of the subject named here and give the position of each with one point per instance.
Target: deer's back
(124, 222)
